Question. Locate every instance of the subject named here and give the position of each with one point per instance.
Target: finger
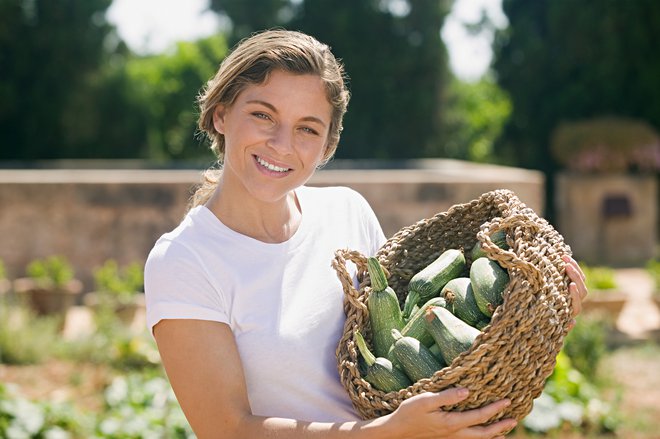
(478, 416)
(573, 266)
(499, 428)
(434, 401)
(571, 324)
(576, 299)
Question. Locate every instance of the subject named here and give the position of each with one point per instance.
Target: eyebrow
(272, 108)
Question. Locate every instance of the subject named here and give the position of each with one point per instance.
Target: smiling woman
(263, 344)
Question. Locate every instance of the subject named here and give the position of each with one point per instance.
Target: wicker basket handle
(520, 223)
(351, 294)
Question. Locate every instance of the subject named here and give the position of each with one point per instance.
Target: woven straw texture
(514, 355)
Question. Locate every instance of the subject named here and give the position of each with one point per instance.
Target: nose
(280, 139)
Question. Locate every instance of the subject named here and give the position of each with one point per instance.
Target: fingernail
(463, 392)
(507, 402)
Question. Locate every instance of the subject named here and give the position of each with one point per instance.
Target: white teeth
(272, 167)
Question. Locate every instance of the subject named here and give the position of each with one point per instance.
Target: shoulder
(181, 245)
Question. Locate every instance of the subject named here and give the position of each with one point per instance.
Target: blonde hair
(251, 62)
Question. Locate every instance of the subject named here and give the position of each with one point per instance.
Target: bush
(26, 338)
(118, 283)
(586, 344)
(52, 271)
(599, 277)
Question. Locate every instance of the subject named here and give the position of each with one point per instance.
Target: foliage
(120, 283)
(3, 270)
(569, 398)
(166, 87)
(653, 269)
(607, 144)
(53, 270)
(394, 57)
(559, 62)
(599, 278)
(21, 418)
(586, 345)
(48, 52)
(475, 114)
(26, 338)
(139, 406)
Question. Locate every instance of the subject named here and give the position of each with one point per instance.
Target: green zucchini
(415, 359)
(435, 350)
(460, 300)
(428, 282)
(452, 335)
(481, 324)
(380, 372)
(489, 280)
(384, 311)
(498, 238)
(415, 327)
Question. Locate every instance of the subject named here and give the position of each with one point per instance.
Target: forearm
(282, 428)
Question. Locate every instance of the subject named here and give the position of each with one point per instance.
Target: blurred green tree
(562, 61)
(394, 56)
(48, 50)
(164, 88)
(474, 117)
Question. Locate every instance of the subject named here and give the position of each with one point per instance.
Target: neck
(270, 222)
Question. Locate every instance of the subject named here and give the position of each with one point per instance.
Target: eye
(260, 115)
(309, 130)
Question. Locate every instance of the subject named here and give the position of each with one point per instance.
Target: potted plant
(118, 290)
(50, 286)
(604, 293)
(653, 269)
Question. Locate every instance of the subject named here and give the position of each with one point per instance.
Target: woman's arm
(204, 368)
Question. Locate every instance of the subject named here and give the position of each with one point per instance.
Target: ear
(219, 118)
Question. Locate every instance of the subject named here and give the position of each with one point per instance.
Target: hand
(577, 288)
(422, 417)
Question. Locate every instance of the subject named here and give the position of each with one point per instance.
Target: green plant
(53, 271)
(120, 283)
(22, 418)
(653, 269)
(599, 278)
(141, 406)
(570, 399)
(26, 338)
(3, 270)
(586, 343)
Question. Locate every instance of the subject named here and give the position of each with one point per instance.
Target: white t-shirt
(283, 302)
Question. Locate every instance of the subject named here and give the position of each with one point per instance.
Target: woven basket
(515, 354)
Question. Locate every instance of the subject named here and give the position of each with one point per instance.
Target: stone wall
(609, 219)
(91, 215)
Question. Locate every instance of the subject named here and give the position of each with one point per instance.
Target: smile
(270, 166)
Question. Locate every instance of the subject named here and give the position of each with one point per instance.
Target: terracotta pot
(608, 303)
(126, 312)
(47, 300)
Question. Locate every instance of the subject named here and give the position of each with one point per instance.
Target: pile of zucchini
(446, 307)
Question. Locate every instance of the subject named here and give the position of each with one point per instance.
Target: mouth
(271, 167)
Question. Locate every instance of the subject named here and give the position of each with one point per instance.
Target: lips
(270, 166)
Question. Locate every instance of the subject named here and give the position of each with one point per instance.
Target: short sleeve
(373, 230)
(177, 286)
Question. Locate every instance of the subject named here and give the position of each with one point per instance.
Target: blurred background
(557, 100)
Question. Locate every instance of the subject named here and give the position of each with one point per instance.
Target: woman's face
(275, 135)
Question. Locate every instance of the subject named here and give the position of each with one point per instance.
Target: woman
(241, 298)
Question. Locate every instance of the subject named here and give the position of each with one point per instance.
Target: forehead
(286, 88)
